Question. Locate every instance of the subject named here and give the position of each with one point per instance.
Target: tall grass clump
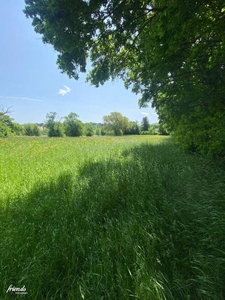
(131, 218)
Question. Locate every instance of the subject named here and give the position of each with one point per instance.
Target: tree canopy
(116, 123)
(73, 126)
(145, 124)
(54, 126)
(171, 52)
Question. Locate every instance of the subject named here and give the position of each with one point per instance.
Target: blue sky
(33, 86)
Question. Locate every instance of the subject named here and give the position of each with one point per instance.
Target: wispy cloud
(21, 98)
(145, 113)
(65, 91)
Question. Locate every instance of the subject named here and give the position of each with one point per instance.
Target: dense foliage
(8, 126)
(172, 52)
(145, 124)
(89, 129)
(73, 126)
(54, 126)
(116, 123)
(32, 129)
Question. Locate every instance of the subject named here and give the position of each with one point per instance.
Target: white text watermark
(16, 290)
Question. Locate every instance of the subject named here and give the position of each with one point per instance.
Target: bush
(75, 128)
(8, 127)
(89, 129)
(5, 130)
(32, 130)
(56, 130)
(207, 138)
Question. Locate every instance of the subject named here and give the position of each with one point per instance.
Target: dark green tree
(32, 129)
(145, 124)
(162, 130)
(89, 129)
(73, 126)
(8, 126)
(171, 52)
(54, 126)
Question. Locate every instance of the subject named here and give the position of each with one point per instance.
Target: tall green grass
(110, 218)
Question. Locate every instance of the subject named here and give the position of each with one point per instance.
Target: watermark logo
(16, 290)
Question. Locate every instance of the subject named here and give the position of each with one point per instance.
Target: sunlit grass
(110, 218)
(26, 162)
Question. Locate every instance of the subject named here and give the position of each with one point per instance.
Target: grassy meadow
(110, 218)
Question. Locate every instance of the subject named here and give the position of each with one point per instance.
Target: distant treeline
(71, 125)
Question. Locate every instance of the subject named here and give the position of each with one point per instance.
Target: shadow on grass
(148, 224)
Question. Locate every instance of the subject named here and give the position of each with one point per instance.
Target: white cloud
(68, 89)
(65, 91)
(144, 113)
(21, 98)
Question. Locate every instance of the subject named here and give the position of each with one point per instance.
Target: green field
(110, 218)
